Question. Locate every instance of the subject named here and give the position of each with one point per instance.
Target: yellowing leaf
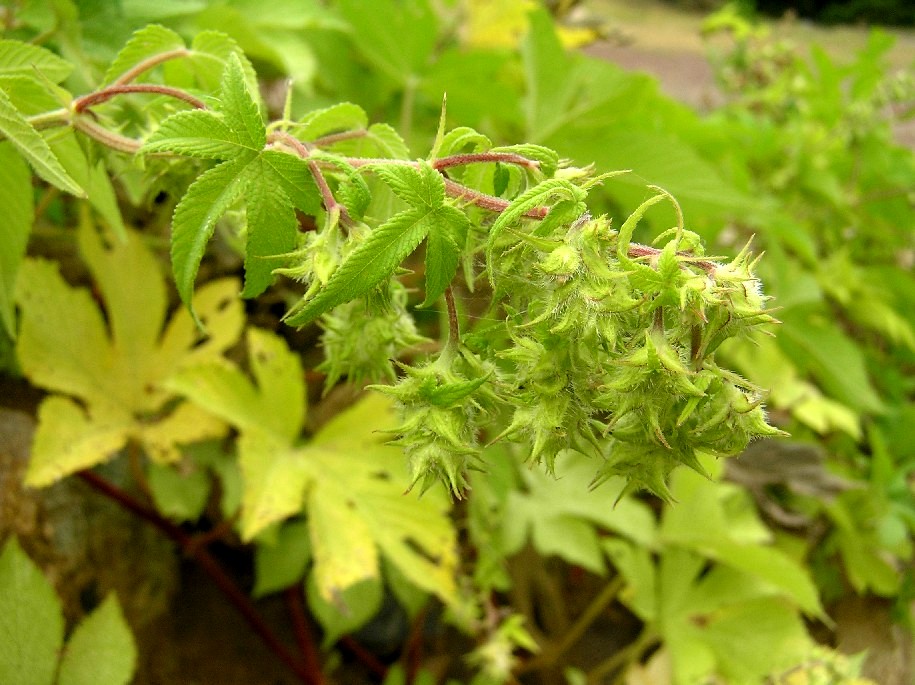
(350, 484)
(69, 440)
(115, 371)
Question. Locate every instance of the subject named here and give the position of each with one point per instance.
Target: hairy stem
(211, 567)
(109, 138)
(477, 157)
(81, 104)
(149, 63)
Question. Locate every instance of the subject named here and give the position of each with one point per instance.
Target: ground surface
(666, 42)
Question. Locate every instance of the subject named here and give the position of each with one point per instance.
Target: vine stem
(211, 567)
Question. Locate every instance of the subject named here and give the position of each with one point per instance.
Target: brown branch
(303, 633)
(211, 567)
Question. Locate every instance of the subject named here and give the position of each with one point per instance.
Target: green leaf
(34, 148)
(349, 611)
(819, 347)
(195, 133)
(31, 621)
(282, 562)
(206, 200)
(145, 43)
(374, 259)
(421, 188)
(398, 37)
(553, 503)
(101, 649)
(24, 59)
(16, 200)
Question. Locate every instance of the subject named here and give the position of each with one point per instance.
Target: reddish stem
(303, 633)
(476, 157)
(84, 102)
(210, 566)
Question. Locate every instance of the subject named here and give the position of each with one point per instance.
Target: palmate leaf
(115, 374)
(15, 127)
(349, 483)
(271, 182)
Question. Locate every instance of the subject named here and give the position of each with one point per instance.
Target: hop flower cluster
(606, 347)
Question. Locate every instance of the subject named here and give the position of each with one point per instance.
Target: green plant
(508, 321)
